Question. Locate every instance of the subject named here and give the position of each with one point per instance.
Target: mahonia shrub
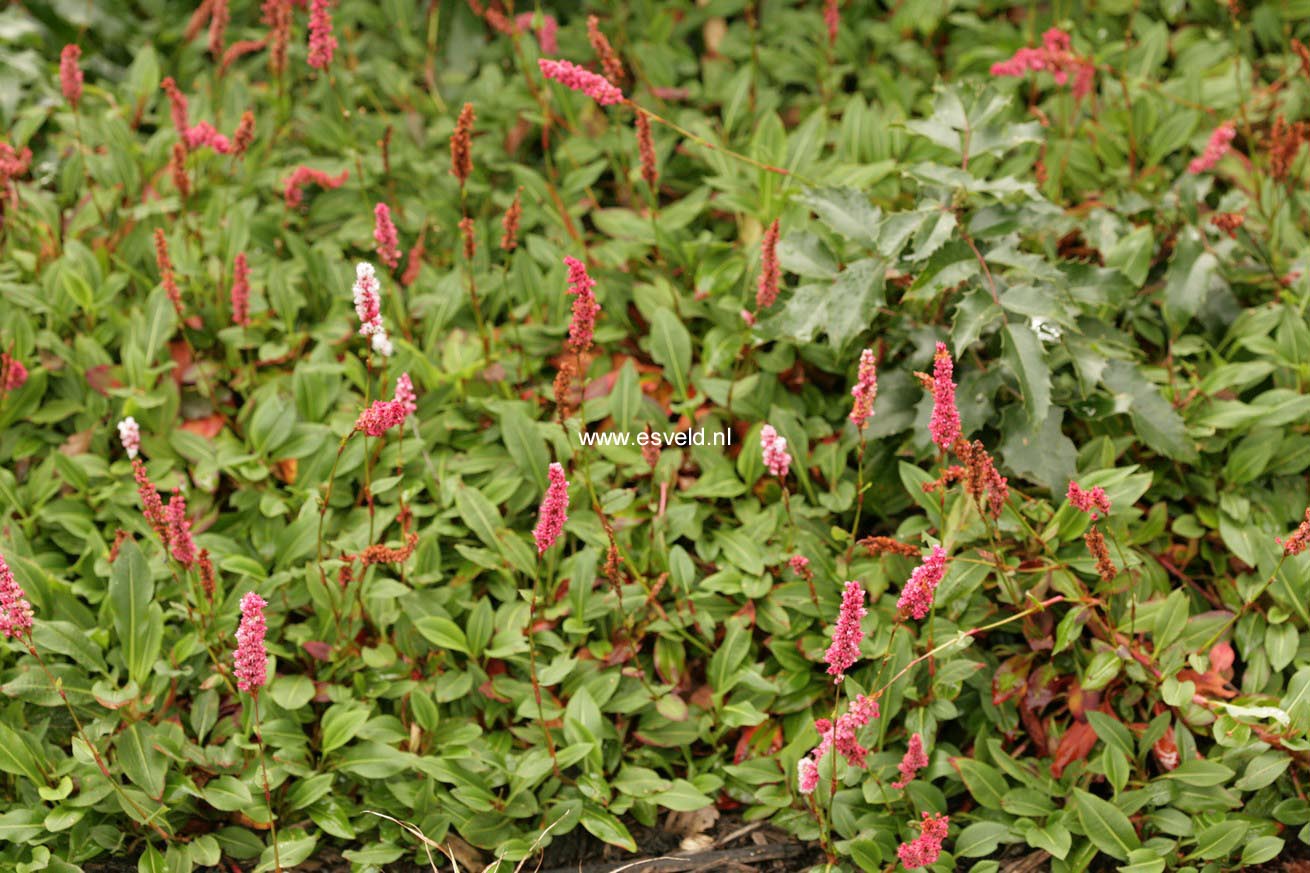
(883, 421)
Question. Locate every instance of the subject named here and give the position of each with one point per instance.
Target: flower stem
(268, 795)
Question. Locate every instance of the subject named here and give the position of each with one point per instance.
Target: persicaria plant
(312, 553)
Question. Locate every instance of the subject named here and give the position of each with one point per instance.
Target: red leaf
(100, 381)
(1075, 745)
(1221, 658)
(1010, 678)
(318, 650)
(207, 427)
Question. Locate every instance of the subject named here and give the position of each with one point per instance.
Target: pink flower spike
(15, 610)
(945, 423)
(129, 433)
(917, 596)
(774, 450)
(585, 308)
(321, 41)
(180, 542)
(865, 390)
(1090, 500)
(241, 291)
(924, 850)
(13, 375)
(381, 417)
(914, 761)
(767, 289)
(251, 657)
(384, 232)
(554, 510)
(847, 633)
(405, 396)
(152, 508)
(70, 75)
(570, 75)
(1218, 146)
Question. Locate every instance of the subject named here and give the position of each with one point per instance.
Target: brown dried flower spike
(461, 147)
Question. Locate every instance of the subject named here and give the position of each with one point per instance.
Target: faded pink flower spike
(844, 736)
(917, 596)
(831, 19)
(546, 34)
(368, 306)
(1220, 142)
(585, 308)
(570, 75)
(1299, 540)
(321, 41)
(15, 610)
(384, 233)
(924, 849)
(70, 74)
(180, 542)
(129, 433)
(767, 291)
(292, 192)
(1090, 500)
(807, 775)
(178, 104)
(241, 291)
(554, 510)
(865, 390)
(914, 761)
(945, 423)
(405, 396)
(380, 417)
(251, 656)
(218, 20)
(774, 450)
(847, 633)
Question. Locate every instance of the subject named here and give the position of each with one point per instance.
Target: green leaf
(1054, 838)
(1157, 422)
(1219, 840)
(1105, 825)
(984, 782)
(443, 633)
(139, 627)
(145, 765)
(1262, 770)
(1131, 255)
(1023, 355)
(1261, 849)
(479, 514)
(606, 828)
(68, 639)
(683, 797)
(228, 793)
(525, 444)
(341, 723)
(670, 346)
(16, 757)
(980, 838)
(845, 211)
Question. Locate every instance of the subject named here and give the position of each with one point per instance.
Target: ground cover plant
(430, 431)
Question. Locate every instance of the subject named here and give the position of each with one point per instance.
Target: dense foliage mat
(429, 429)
